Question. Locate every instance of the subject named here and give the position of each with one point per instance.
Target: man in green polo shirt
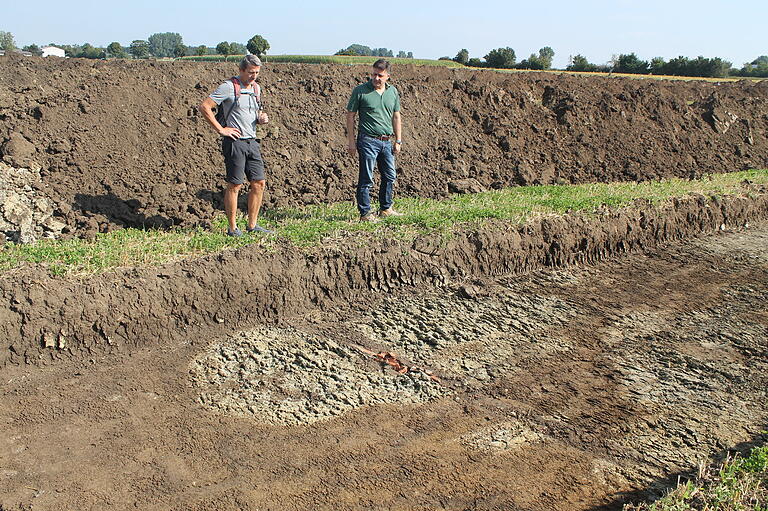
(378, 104)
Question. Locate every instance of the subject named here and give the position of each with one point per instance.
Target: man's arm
(397, 125)
(351, 145)
(206, 108)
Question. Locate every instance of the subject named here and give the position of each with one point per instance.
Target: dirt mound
(120, 143)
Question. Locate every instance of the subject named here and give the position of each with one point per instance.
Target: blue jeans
(372, 151)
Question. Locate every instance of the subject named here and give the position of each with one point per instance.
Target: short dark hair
(249, 60)
(382, 65)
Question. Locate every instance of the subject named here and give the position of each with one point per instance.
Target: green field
(311, 225)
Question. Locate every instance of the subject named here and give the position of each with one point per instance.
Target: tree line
(160, 45)
(171, 44)
(678, 66)
(366, 51)
(504, 58)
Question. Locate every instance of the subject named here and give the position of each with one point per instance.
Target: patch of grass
(737, 484)
(325, 59)
(310, 225)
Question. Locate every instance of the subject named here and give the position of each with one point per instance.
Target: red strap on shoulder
(236, 84)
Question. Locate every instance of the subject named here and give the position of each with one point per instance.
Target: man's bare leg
(230, 204)
(255, 196)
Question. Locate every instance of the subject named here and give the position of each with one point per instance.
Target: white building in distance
(52, 51)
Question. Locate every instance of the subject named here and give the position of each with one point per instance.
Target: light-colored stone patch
(286, 377)
(500, 437)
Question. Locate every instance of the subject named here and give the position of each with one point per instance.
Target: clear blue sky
(735, 30)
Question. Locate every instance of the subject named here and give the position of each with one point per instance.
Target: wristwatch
(399, 142)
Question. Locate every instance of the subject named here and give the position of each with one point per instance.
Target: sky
(597, 29)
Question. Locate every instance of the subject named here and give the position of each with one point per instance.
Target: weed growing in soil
(310, 225)
(737, 484)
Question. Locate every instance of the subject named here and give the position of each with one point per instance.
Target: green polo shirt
(375, 109)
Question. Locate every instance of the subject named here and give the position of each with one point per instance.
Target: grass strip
(737, 484)
(312, 225)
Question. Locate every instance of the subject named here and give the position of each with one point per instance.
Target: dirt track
(563, 389)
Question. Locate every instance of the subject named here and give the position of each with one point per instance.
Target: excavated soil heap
(120, 143)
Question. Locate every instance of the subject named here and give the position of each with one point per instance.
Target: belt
(379, 137)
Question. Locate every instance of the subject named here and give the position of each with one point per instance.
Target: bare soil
(562, 389)
(571, 363)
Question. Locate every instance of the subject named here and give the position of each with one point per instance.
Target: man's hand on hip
(232, 133)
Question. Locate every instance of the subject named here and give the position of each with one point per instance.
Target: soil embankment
(44, 319)
(120, 143)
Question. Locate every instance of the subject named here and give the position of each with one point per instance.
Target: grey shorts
(243, 160)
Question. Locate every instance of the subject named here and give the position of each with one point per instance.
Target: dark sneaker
(384, 213)
(235, 234)
(370, 217)
(259, 229)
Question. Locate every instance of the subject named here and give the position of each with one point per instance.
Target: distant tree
(445, 58)
(546, 55)
(139, 49)
(757, 68)
(180, 50)
(201, 50)
(677, 66)
(33, 49)
(475, 62)
(410, 55)
(88, 51)
(237, 49)
(503, 58)
(709, 67)
(657, 66)
(345, 51)
(356, 49)
(580, 63)
(164, 44)
(116, 50)
(257, 45)
(462, 57)
(6, 41)
(224, 48)
(631, 64)
(541, 61)
(402, 55)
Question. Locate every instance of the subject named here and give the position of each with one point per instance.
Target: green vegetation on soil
(736, 484)
(310, 225)
(325, 59)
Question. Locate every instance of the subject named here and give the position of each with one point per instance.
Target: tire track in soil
(607, 379)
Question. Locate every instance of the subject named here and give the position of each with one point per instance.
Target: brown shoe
(370, 217)
(384, 213)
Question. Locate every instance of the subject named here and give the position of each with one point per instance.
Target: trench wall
(43, 319)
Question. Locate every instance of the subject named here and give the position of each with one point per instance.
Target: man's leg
(255, 196)
(386, 162)
(230, 204)
(366, 152)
